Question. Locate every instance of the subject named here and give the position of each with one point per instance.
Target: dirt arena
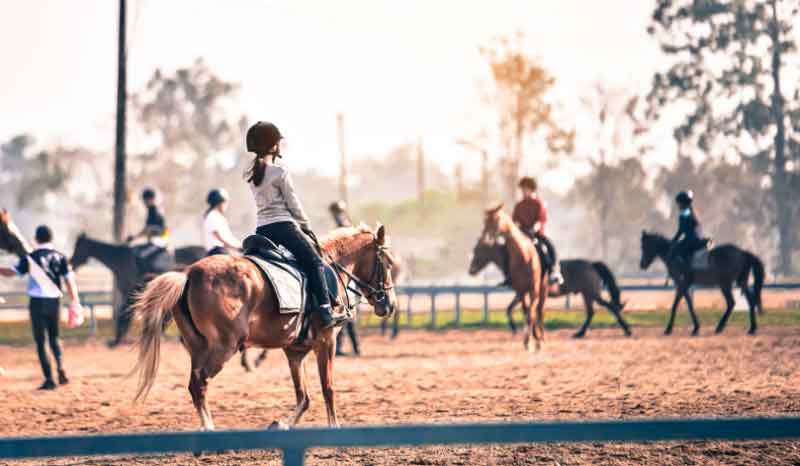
(454, 376)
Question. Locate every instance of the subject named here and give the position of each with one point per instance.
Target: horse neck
(110, 255)
(515, 239)
(348, 252)
(662, 249)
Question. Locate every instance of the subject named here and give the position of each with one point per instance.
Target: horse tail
(758, 279)
(611, 283)
(154, 306)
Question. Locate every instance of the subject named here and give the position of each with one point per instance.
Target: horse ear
(380, 235)
(495, 209)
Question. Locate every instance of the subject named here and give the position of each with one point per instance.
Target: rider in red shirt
(530, 215)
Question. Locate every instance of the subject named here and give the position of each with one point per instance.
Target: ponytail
(255, 174)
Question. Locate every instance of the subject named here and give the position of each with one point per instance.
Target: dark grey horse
(580, 276)
(121, 260)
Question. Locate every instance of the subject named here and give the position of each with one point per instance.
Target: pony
(223, 304)
(727, 264)
(580, 276)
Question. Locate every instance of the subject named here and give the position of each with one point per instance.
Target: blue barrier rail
(295, 443)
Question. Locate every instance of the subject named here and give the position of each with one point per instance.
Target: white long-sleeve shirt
(276, 199)
(216, 222)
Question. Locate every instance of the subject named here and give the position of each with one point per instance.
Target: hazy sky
(398, 70)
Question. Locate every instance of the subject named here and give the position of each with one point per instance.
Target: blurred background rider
(47, 269)
(341, 218)
(217, 233)
(530, 215)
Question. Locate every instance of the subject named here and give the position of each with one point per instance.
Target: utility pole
(120, 191)
(459, 175)
(420, 171)
(342, 159)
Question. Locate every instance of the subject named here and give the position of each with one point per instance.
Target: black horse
(130, 275)
(580, 276)
(727, 264)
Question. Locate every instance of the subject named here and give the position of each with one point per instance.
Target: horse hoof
(628, 333)
(668, 332)
(695, 332)
(197, 454)
(579, 335)
(752, 331)
(278, 425)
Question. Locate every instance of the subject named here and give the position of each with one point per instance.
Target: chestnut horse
(222, 304)
(525, 268)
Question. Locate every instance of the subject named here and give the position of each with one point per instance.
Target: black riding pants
(289, 235)
(217, 251)
(44, 321)
(550, 253)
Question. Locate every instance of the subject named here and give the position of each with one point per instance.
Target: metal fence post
(294, 457)
(92, 321)
(458, 308)
(433, 309)
(408, 310)
(485, 307)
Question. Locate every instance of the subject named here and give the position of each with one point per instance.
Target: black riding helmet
(262, 138)
(216, 197)
(148, 194)
(684, 198)
(338, 206)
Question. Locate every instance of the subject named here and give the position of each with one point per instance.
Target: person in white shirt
(218, 236)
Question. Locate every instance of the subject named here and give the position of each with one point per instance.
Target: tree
(727, 71)
(194, 142)
(522, 88)
(631, 207)
(617, 134)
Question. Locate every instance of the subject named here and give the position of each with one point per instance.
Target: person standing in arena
(530, 215)
(218, 236)
(338, 210)
(47, 269)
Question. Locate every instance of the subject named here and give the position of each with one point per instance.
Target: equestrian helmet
(148, 194)
(684, 197)
(262, 137)
(217, 196)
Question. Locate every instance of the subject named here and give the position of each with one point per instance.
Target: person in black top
(50, 270)
(689, 238)
(341, 218)
(154, 226)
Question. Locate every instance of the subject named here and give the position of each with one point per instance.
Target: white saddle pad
(700, 259)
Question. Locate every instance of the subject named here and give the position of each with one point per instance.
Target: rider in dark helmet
(218, 236)
(340, 216)
(530, 215)
(689, 237)
(280, 215)
(155, 227)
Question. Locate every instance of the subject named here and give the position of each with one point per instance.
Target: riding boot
(555, 275)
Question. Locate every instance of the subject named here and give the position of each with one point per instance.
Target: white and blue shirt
(54, 265)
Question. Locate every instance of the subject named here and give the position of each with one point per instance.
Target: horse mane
(12, 237)
(346, 241)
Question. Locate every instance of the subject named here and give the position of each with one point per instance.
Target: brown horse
(525, 268)
(11, 240)
(223, 304)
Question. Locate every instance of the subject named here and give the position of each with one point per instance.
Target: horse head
(484, 254)
(81, 253)
(11, 240)
(653, 245)
(495, 223)
(373, 270)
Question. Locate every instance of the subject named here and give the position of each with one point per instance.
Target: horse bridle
(377, 293)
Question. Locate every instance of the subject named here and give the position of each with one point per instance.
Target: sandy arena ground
(454, 376)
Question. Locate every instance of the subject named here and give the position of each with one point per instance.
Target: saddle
(153, 259)
(283, 272)
(700, 257)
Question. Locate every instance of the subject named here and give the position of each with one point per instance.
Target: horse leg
(587, 302)
(246, 362)
(751, 301)
(687, 295)
(261, 358)
(616, 312)
(325, 355)
(298, 370)
(510, 314)
(198, 386)
(530, 328)
(396, 325)
(727, 292)
(540, 311)
(675, 302)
